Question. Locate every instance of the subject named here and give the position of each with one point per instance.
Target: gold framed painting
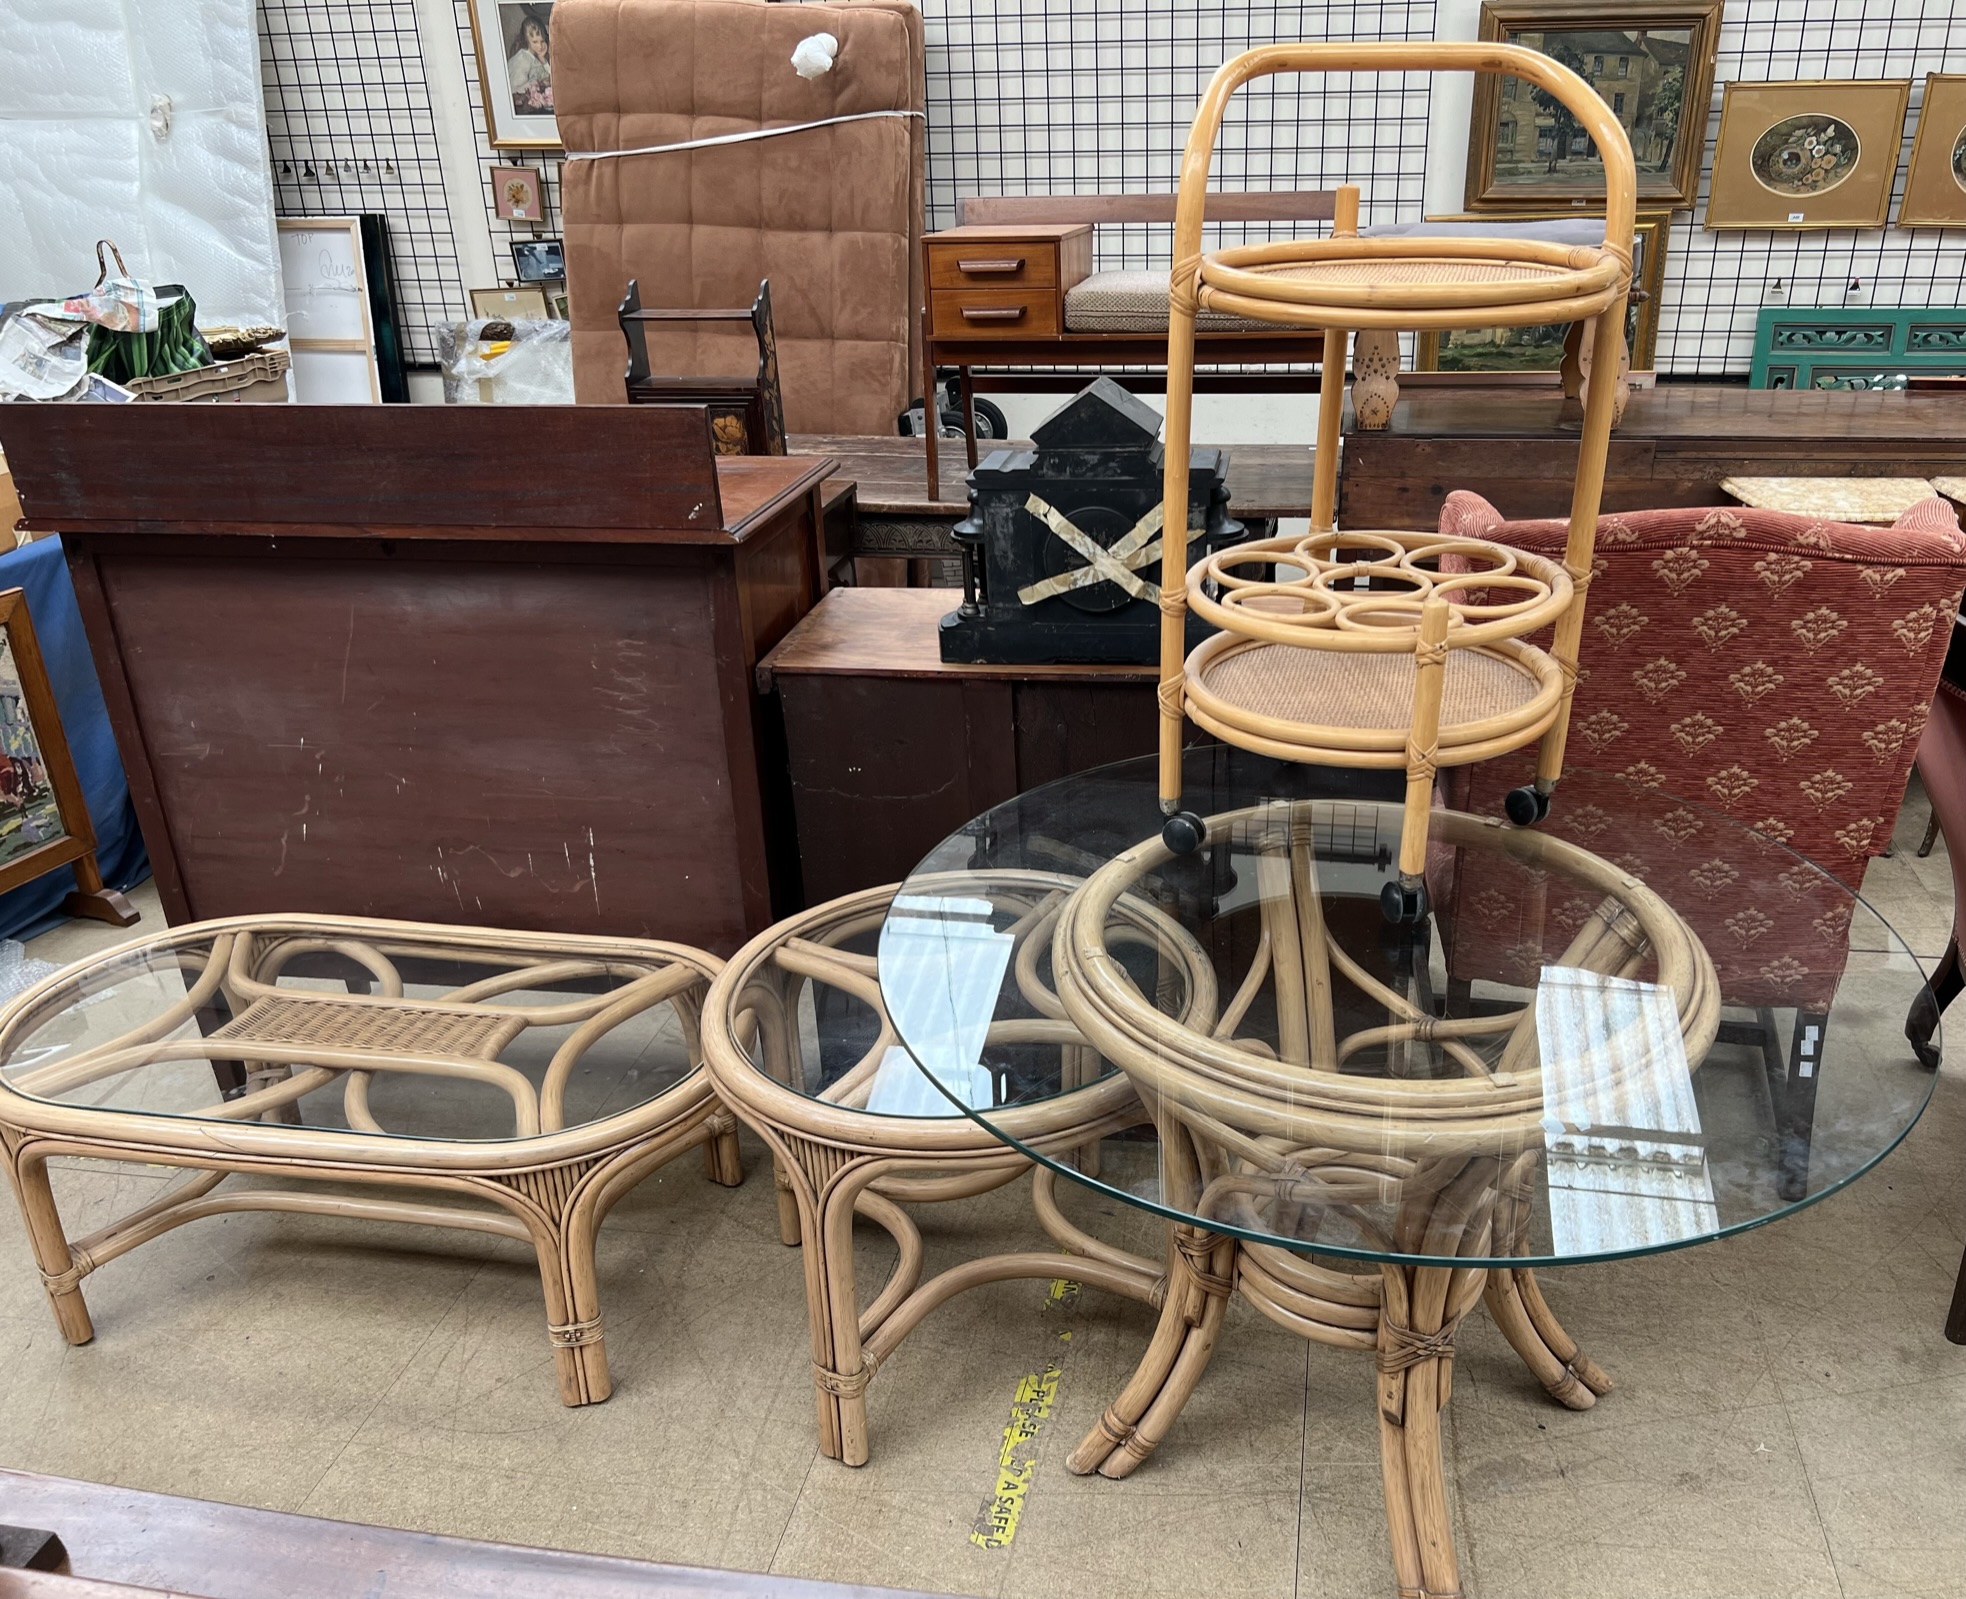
(1807, 155)
(1539, 347)
(1935, 184)
(526, 303)
(514, 41)
(1651, 64)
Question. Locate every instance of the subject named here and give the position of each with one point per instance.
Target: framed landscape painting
(1807, 155)
(1651, 64)
(1539, 346)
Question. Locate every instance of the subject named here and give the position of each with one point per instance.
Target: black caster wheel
(1403, 906)
(1526, 806)
(1183, 832)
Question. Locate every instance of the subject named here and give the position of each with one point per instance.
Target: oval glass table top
(334, 1023)
(1634, 1027)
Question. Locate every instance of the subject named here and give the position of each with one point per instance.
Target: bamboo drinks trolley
(1383, 649)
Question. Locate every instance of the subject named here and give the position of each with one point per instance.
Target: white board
(328, 328)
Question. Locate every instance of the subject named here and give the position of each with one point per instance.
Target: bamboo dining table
(1366, 1131)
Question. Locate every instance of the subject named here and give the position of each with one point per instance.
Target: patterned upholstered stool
(544, 1074)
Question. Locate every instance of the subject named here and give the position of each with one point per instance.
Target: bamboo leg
(1509, 1313)
(1423, 742)
(580, 1359)
(61, 1272)
(1375, 379)
(1330, 415)
(790, 1232)
(1213, 1282)
(723, 1161)
(1177, 442)
(1599, 399)
(1550, 1330)
(1616, 371)
(845, 1374)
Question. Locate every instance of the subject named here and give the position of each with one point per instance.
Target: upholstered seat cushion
(1136, 302)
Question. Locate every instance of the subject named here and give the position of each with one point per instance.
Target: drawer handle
(1007, 263)
(993, 313)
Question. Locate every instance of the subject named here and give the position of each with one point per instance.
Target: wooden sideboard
(1517, 447)
(890, 750)
(480, 664)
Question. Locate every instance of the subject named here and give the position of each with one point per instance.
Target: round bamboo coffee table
(799, 1043)
(539, 1077)
(1372, 1130)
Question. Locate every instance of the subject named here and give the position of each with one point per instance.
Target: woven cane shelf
(1384, 649)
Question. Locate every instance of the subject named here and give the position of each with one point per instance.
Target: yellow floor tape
(1017, 1460)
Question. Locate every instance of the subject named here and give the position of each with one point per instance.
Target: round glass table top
(1636, 1026)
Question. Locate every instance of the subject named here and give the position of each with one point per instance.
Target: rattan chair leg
(61, 1272)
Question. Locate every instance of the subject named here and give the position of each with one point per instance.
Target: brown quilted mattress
(831, 216)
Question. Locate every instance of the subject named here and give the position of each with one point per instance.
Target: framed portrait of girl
(514, 39)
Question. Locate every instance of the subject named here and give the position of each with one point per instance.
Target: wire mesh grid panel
(1716, 283)
(1096, 96)
(1026, 97)
(350, 130)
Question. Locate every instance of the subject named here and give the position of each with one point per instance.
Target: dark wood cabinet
(890, 750)
(487, 665)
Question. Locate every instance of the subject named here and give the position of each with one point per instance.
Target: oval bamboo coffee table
(799, 1043)
(540, 1075)
(1364, 1159)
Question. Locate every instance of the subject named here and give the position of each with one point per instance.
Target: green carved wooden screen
(1855, 347)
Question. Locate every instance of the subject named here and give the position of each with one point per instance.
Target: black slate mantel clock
(1062, 545)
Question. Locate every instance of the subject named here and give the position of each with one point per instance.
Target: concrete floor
(1788, 1419)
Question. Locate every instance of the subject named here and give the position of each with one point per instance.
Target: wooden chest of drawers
(1004, 282)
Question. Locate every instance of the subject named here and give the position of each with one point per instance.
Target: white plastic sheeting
(139, 121)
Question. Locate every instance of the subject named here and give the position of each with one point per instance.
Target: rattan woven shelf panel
(1414, 270)
(369, 1025)
(1361, 691)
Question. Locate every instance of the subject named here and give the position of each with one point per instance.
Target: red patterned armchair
(1770, 667)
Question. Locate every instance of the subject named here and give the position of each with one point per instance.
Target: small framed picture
(517, 193)
(1652, 64)
(514, 39)
(1539, 347)
(557, 303)
(1935, 184)
(1807, 155)
(523, 304)
(538, 260)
